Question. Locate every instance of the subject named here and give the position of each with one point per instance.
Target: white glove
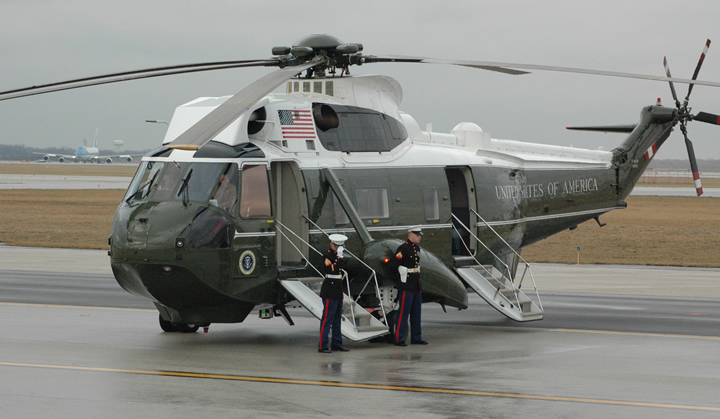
(403, 273)
(340, 251)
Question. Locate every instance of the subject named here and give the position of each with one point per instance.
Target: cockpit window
(226, 193)
(163, 188)
(200, 182)
(146, 175)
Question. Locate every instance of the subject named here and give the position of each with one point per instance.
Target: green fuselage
(201, 263)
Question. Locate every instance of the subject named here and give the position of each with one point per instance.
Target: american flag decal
(297, 124)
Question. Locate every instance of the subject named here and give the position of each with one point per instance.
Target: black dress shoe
(340, 349)
(419, 342)
(400, 344)
(325, 351)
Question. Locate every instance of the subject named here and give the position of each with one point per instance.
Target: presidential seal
(247, 262)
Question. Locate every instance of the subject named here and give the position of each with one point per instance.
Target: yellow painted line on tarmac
(366, 386)
(610, 332)
(72, 306)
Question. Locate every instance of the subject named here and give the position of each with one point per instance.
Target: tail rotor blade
(693, 166)
(697, 69)
(672, 86)
(707, 118)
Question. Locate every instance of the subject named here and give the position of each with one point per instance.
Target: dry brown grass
(67, 169)
(672, 231)
(57, 218)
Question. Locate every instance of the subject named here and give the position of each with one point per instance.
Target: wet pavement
(66, 360)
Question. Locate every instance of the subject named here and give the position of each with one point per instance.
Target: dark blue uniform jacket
(332, 288)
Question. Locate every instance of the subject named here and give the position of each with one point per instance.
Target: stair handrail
(507, 268)
(527, 265)
(373, 274)
(296, 248)
(346, 278)
(489, 272)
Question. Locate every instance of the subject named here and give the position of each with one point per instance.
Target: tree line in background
(24, 153)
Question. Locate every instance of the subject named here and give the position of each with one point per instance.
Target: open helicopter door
(290, 207)
(463, 204)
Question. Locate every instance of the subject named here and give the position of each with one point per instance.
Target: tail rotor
(684, 116)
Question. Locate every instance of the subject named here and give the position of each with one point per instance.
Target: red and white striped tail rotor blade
(697, 68)
(672, 86)
(694, 166)
(708, 118)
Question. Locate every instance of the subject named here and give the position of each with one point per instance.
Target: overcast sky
(47, 41)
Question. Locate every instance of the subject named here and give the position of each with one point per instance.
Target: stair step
(361, 326)
(370, 328)
(500, 294)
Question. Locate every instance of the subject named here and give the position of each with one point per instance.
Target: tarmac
(78, 361)
(617, 341)
(663, 281)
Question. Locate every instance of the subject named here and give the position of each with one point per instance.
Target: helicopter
(232, 212)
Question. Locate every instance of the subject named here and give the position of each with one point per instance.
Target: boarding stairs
(358, 324)
(500, 287)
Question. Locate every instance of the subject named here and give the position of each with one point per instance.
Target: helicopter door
(462, 199)
(291, 205)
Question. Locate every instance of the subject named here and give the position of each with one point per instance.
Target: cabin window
(354, 129)
(226, 193)
(317, 87)
(372, 203)
(329, 88)
(306, 87)
(432, 206)
(338, 211)
(255, 192)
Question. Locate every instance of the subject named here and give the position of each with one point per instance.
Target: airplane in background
(87, 154)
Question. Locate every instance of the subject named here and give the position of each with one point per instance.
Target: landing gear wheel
(167, 326)
(186, 327)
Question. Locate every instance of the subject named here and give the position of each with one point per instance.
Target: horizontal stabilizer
(608, 128)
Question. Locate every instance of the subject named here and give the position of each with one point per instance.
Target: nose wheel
(168, 326)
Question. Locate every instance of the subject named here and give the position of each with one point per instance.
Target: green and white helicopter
(231, 214)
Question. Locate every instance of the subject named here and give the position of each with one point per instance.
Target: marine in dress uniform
(331, 293)
(409, 289)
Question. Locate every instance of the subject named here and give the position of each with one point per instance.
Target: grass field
(674, 231)
(652, 230)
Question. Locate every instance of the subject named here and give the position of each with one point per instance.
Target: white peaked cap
(338, 239)
(415, 229)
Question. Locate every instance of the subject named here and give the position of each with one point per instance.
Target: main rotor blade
(130, 75)
(401, 59)
(510, 68)
(693, 166)
(213, 123)
(672, 86)
(707, 118)
(697, 68)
